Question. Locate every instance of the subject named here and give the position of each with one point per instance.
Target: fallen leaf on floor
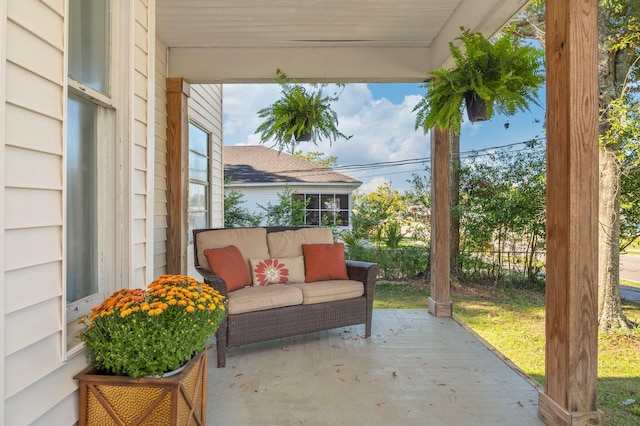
(438, 383)
(231, 385)
(285, 348)
(338, 370)
(335, 346)
(244, 385)
(520, 403)
(357, 379)
(239, 374)
(341, 379)
(394, 374)
(380, 403)
(338, 365)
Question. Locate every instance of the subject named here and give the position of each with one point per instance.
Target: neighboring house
(261, 173)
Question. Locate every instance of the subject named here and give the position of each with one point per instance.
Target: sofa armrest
(364, 272)
(214, 281)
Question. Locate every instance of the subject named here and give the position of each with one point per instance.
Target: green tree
(618, 75)
(372, 211)
(630, 198)
(234, 214)
(503, 72)
(318, 158)
(289, 211)
(503, 204)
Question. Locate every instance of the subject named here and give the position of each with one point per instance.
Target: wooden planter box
(121, 400)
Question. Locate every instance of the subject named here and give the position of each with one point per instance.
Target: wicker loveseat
(265, 312)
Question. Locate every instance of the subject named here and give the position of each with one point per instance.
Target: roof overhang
(227, 41)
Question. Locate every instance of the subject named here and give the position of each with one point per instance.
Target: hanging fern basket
(476, 107)
(303, 137)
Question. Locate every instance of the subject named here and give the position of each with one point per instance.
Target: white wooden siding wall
(33, 77)
(205, 109)
(142, 178)
(3, 63)
(160, 159)
(34, 109)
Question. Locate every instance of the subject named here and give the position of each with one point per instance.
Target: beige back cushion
(251, 242)
(289, 243)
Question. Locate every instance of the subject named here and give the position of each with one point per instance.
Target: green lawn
(513, 322)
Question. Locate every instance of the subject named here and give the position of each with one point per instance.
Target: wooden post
(440, 300)
(177, 174)
(570, 394)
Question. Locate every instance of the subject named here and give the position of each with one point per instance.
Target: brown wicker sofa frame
(258, 326)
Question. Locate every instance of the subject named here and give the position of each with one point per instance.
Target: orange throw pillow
(324, 262)
(228, 264)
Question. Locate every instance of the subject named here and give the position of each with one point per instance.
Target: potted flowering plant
(134, 337)
(142, 333)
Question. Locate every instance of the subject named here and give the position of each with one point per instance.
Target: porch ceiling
(318, 40)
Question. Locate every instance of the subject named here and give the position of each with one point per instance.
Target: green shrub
(394, 264)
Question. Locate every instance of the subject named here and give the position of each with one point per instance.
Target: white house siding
(38, 385)
(143, 153)
(205, 110)
(34, 84)
(160, 159)
(3, 63)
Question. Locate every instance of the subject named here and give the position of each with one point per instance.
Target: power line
(355, 168)
(467, 154)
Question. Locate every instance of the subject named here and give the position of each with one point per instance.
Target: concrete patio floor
(415, 369)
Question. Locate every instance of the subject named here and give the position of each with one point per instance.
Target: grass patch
(512, 320)
(401, 295)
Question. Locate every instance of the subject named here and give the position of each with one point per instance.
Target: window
(326, 209)
(199, 180)
(89, 43)
(90, 164)
(82, 277)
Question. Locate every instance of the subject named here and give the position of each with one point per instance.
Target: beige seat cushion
(251, 299)
(328, 291)
(289, 243)
(252, 243)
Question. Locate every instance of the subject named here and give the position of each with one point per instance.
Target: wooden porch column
(440, 300)
(177, 174)
(570, 394)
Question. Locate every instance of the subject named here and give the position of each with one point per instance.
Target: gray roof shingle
(259, 164)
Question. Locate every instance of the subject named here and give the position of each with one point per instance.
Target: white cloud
(372, 185)
(240, 106)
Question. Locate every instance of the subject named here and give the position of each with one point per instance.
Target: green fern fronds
(505, 74)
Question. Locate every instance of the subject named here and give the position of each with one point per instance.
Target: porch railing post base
(439, 309)
(551, 413)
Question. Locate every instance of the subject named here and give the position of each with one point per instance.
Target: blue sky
(380, 119)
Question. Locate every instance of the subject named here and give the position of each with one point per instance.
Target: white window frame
(207, 185)
(320, 210)
(108, 177)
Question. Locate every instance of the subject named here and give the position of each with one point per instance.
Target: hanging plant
(502, 73)
(301, 114)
